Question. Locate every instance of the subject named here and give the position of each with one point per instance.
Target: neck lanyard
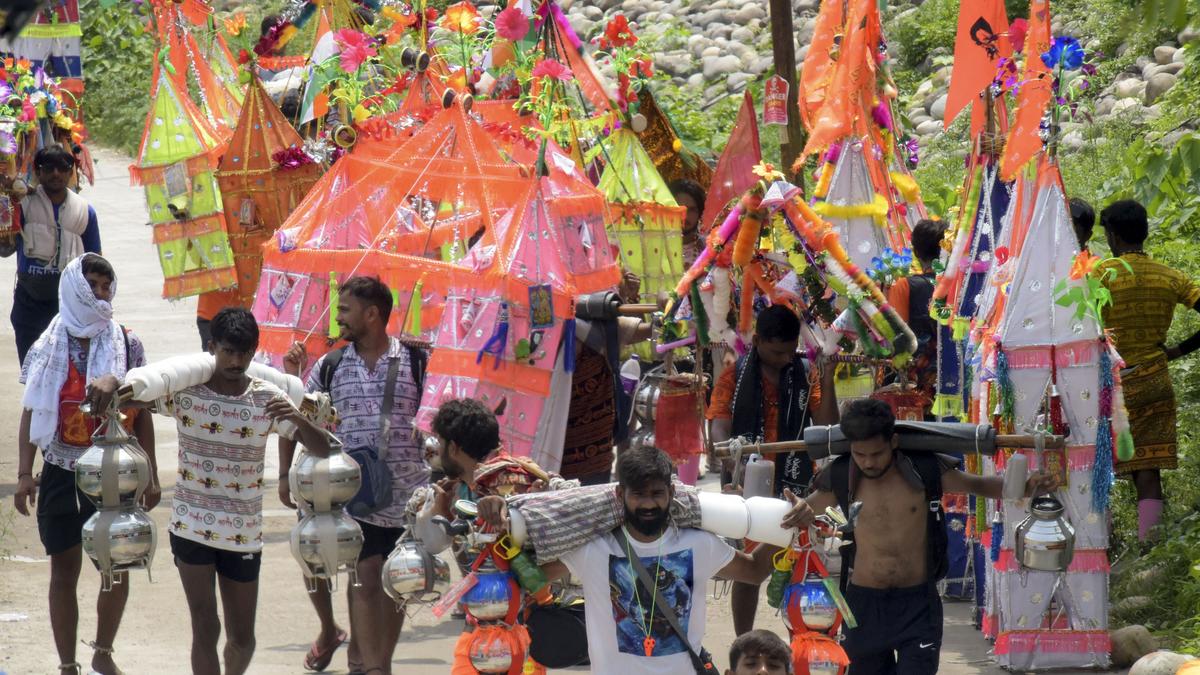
(648, 642)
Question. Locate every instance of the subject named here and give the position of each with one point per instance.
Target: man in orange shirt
(769, 397)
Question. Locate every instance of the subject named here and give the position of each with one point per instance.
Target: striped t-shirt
(357, 393)
(222, 448)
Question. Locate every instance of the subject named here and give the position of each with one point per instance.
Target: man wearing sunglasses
(57, 226)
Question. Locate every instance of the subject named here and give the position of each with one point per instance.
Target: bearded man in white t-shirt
(627, 630)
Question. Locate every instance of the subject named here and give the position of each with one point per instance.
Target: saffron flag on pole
(981, 41)
(735, 170)
(1025, 139)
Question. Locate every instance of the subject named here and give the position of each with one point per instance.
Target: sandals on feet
(64, 667)
(318, 659)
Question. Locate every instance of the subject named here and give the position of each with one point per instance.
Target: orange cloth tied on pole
(1024, 139)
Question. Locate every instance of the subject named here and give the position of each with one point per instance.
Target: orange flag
(735, 170)
(853, 86)
(817, 70)
(1024, 139)
(980, 43)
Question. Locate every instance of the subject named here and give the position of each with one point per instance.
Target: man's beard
(875, 475)
(649, 522)
(451, 468)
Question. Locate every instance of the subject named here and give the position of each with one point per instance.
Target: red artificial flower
(553, 69)
(243, 57)
(512, 24)
(1016, 34)
(618, 33)
(461, 18)
(355, 47)
(641, 68)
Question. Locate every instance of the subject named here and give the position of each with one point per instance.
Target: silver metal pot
(326, 543)
(1045, 540)
(643, 438)
(118, 456)
(645, 398)
(118, 540)
(337, 476)
(413, 575)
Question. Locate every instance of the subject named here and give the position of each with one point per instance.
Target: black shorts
(61, 510)
(378, 540)
(899, 630)
(240, 567)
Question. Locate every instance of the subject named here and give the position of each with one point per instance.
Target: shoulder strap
(330, 364)
(389, 395)
(839, 478)
(929, 469)
(667, 610)
(125, 334)
(416, 363)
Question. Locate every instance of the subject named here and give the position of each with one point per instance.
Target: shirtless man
(891, 584)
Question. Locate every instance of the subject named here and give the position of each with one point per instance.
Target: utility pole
(783, 48)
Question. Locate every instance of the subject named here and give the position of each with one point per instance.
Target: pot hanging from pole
(1045, 541)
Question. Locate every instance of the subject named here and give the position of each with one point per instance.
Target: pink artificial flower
(1016, 34)
(512, 24)
(554, 69)
(355, 48)
(28, 112)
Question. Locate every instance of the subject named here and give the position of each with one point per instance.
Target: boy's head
(465, 427)
(644, 486)
(1125, 222)
(1083, 219)
(759, 652)
(364, 306)
(927, 239)
(100, 276)
(776, 336)
(234, 342)
(870, 427)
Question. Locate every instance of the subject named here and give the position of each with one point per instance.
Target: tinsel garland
(1102, 470)
(997, 537)
(1005, 385)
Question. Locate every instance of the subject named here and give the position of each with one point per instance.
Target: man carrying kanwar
(899, 541)
(82, 342)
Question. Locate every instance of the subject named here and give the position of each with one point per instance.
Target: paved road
(155, 635)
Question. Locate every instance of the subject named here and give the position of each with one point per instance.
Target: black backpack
(416, 357)
(920, 293)
(929, 469)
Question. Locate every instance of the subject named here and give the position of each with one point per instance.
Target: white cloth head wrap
(81, 315)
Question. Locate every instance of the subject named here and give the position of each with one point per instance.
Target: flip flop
(318, 660)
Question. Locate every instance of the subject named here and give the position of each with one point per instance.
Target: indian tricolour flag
(316, 100)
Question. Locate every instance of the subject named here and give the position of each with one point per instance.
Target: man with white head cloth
(81, 344)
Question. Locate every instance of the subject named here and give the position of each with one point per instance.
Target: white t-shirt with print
(683, 561)
(222, 455)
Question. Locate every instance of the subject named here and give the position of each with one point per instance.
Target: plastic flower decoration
(400, 23)
(235, 24)
(768, 172)
(512, 24)
(461, 18)
(552, 69)
(355, 48)
(1065, 52)
(1017, 30)
(618, 34)
(8, 143)
(1084, 264)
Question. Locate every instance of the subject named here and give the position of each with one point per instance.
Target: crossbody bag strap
(389, 394)
(666, 610)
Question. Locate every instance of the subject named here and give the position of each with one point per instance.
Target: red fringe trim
(1085, 562)
(1054, 642)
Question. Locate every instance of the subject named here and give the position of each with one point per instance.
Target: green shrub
(931, 26)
